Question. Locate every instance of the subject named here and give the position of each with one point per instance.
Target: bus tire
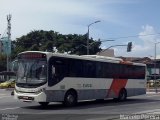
(44, 104)
(122, 95)
(70, 99)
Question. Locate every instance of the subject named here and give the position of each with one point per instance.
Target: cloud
(148, 35)
(64, 16)
(144, 47)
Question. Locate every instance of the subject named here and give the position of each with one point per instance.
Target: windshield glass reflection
(32, 71)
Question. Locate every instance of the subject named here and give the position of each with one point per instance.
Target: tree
(34, 48)
(48, 46)
(46, 40)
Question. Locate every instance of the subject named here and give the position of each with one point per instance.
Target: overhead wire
(104, 40)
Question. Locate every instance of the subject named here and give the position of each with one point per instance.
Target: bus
(46, 77)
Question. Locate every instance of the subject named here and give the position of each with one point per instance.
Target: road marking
(9, 108)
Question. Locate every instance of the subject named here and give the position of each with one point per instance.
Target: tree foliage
(47, 40)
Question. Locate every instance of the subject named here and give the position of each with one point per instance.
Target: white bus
(48, 77)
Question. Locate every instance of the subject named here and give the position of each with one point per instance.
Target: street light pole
(88, 40)
(88, 35)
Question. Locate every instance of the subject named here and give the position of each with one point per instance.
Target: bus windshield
(32, 72)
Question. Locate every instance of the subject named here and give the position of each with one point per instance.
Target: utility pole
(88, 35)
(9, 38)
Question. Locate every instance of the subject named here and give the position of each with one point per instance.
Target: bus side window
(51, 73)
(89, 69)
(58, 69)
(61, 68)
(75, 68)
(53, 70)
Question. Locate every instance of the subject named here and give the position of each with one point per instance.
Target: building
(108, 52)
(5, 46)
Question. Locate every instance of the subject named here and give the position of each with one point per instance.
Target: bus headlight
(40, 90)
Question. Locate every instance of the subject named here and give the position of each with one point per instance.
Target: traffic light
(129, 47)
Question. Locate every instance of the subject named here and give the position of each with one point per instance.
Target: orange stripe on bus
(126, 62)
(116, 86)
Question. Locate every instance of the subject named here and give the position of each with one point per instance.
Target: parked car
(8, 84)
(4, 74)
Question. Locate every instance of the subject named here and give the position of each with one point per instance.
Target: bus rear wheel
(122, 95)
(44, 104)
(70, 99)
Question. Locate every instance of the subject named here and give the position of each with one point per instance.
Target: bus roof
(87, 57)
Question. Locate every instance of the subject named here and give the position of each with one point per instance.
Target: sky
(136, 21)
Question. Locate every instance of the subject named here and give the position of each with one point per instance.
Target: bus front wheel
(70, 99)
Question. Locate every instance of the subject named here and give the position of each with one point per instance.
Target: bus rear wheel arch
(122, 95)
(70, 98)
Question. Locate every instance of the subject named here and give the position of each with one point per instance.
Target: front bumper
(30, 97)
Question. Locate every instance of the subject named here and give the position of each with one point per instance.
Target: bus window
(75, 68)
(53, 70)
(89, 69)
(57, 70)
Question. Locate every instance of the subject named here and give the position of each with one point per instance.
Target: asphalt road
(88, 110)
